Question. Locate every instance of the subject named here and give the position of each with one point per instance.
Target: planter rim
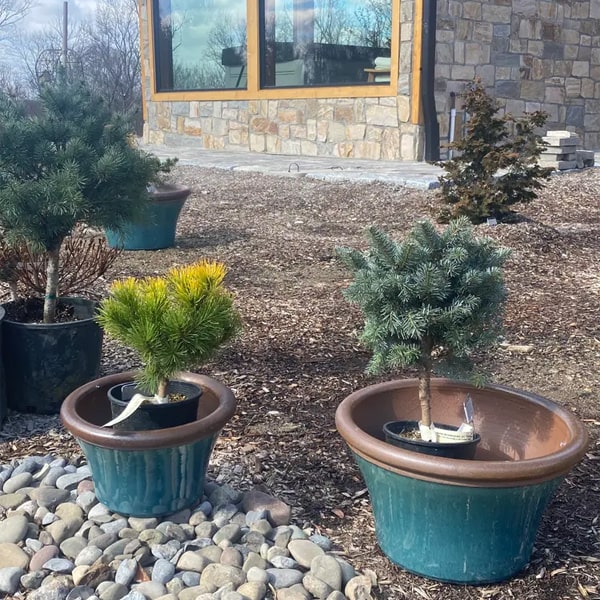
(169, 191)
(151, 439)
(474, 473)
(66, 299)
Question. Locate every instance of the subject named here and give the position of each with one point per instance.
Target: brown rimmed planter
(465, 521)
(147, 473)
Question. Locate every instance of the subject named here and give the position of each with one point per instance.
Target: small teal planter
(149, 473)
(157, 231)
(454, 533)
(149, 483)
(461, 521)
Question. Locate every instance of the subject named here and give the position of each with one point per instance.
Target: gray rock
(28, 508)
(99, 513)
(141, 524)
(126, 571)
(274, 551)
(297, 533)
(172, 531)
(282, 536)
(69, 511)
(163, 571)
(223, 514)
(58, 462)
(255, 515)
(223, 495)
(150, 589)
(195, 593)
(69, 481)
(28, 465)
(135, 595)
(10, 578)
(59, 565)
(217, 575)
(152, 537)
(81, 592)
(13, 529)
(295, 592)
(49, 497)
(17, 482)
(42, 556)
(335, 595)
(104, 540)
(232, 595)
(115, 591)
(284, 578)
(12, 555)
(322, 541)
(327, 569)
(33, 544)
(50, 590)
(262, 526)
(52, 476)
(114, 526)
(319, 589)
(230, 532)
(358, 588)
(132, 546)
(192, 561)
(205, 507)
(181, 516)
(166, 551)
(128, 532)
(88, 556)
(71, 547)
(63, 528)
(212, 552)
(190, 578)
(232, 557)
(115, 549)
(33, 580)
(348, 571)
(196, 518)
(87, 500)
(284, 562)
(304, 551)
(254, 560)
(253, 590)
(205, 530)
(48, 518)
(14, 500)
(175, 586)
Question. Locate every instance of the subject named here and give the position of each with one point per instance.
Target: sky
(50, 11)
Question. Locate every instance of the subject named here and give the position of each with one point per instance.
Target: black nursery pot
(155, 416)
(463, 450)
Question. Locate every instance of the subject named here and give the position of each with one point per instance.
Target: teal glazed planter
(157, 231)
(3, 404)
(461, 521)
(148, 473)
(44, 362)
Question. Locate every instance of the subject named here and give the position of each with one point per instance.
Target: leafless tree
(12, 11)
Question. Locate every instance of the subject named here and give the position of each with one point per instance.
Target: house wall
(530, 54)
(361, 127)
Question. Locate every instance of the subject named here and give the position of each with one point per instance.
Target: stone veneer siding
(375, 128)
(531, 54)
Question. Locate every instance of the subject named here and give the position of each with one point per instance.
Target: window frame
(253, 90)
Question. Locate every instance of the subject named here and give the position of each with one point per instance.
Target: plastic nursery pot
(463, 521)
(44, 362)
(157, 231)
(147, 473)
(461, 450)
(155, 416)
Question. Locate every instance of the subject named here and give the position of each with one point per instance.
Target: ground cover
(298, 356)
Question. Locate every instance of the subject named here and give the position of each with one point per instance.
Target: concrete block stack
(562, 153)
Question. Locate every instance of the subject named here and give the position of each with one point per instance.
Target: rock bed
(57, 542)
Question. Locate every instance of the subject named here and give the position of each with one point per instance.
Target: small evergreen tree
(496, 165)
(72, 164)
(431, 298)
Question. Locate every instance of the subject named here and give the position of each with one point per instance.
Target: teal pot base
(44, 363)
(461, 521)
(158, 229)
(148, 473)
(453, 533)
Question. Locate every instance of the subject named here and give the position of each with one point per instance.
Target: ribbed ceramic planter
(147, 473)
(44, 362)
(463, 521)
(158, 230)
(3, 406)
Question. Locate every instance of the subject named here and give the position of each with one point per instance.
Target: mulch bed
(298, 356)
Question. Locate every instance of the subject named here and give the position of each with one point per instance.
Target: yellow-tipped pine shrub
(175, 322)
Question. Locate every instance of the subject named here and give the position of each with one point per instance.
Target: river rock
(13, 529)
(10, 578)
(12, 555)
(279, 513)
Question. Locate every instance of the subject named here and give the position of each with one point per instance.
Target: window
(202, 44)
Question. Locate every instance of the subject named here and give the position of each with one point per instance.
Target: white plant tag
(468, 407)
(491, 221)
(136, 401)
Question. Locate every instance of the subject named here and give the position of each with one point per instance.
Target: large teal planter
(157, 231)
(44, 362)
(3, 404)
(148, 473)
(462, 521)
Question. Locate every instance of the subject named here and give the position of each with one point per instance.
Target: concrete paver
(410, 174)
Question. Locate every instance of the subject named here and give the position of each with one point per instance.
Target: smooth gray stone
(223, 514)
(71, 547)
(10, 578)
(304, 551)
(126, 571)
(14, 500)
(175, 586)
(114, 526)
(140, 524)
(81, 592)
(70, 468)
(88, 556)
(322, 541)
(163, 571)
(115, 549)
(27, 465)
(59, 462)
(181, 517)
(42, 556)
(134, 595)
(100, 514)
(205, 507)
(252, 590)
(191, 561)
(230, 532)
(33, 544)
(59, 565)
(262, 526)
(284, 562)
(295, 592)
(150, 589)
(33, 579)
(115, 591)
(224, 495)
(232, 557)
(13, 529)
(284, 578)
(327, 569)
(69, 481)
(255, 515)
(63, 528)
(317, 587)
(104, 540)
(17, 482)
(172, 531)
(206, 529)
(190, 578)
(348, 571)
(216, 575)
(166, 551)
(52, 476)
(87, 500)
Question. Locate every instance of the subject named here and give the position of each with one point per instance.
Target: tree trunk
(50, 299)
(425, 382)
(162, 389)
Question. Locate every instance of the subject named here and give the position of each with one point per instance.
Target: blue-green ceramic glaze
(157, 232)
(149, 483)
(451, 532)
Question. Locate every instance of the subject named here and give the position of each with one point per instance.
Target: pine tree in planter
(496, 161)
(431, 299)
(71, 164)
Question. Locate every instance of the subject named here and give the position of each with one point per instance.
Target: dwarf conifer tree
(430, 298)
(73, 163)
(496, 162)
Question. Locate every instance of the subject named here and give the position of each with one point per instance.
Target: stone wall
(375, 128)
(531, 54)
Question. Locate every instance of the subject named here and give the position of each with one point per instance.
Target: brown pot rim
(165, 192)
(145, 440)
(475, 473)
